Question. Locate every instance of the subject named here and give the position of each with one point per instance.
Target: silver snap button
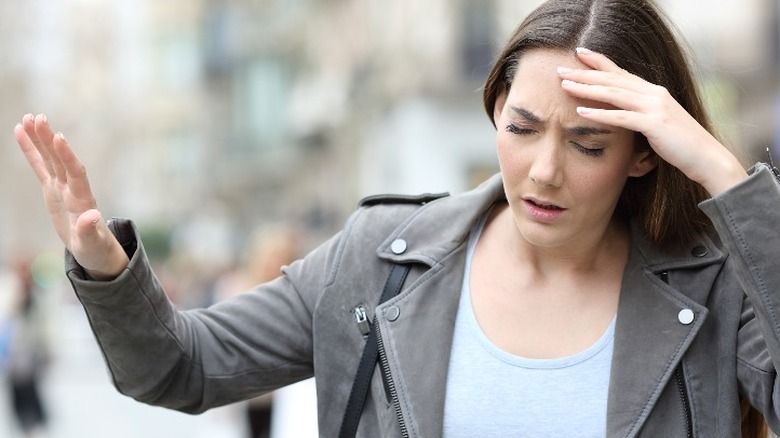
(398, 246)
(699, 251)
(685, 316)
(392, 313)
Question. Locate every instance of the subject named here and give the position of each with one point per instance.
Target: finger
(32, 155)
(625, 119)
(75, 172)
(618, 97)
(622, 79)
(596, 60)
(45, 136)
(97, 250)
(87, 225)
(29, 127)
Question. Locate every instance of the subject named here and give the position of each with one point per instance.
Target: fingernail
(564, 70)
(62, 137)
(584, 110)
(584, 51)
(567, 83)
(29, 116)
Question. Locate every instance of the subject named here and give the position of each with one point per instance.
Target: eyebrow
(579, 131)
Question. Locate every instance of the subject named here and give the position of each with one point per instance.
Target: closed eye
(592, 152)
(514, 129)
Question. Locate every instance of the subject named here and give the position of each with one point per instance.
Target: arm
(746, 219)
(189, 361)
(194, 360)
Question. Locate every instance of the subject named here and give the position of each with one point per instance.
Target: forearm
(134, 324)
(746, 218)
(192, 361)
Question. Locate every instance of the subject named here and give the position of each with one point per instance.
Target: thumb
(97, 250)
(89, 226)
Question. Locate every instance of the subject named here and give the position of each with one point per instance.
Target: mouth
(543, 205)
(543, 211)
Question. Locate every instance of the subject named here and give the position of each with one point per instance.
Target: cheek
(507, 151)
(599, 184)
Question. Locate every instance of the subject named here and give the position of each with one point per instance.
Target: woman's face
(562, 174)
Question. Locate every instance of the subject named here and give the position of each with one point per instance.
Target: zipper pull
(361, 318)
(772, 165)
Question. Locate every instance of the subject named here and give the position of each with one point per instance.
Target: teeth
(546, 206)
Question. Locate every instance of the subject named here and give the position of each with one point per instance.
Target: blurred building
(202, 119)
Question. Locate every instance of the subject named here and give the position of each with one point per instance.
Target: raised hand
(648, 108)
(69, 198)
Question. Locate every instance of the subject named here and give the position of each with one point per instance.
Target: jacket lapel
(418, 337)
(417, 344)
(651, 333)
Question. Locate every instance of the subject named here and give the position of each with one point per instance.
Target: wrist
(724, 175)
(114, 265)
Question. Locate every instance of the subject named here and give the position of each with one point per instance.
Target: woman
(613, 280)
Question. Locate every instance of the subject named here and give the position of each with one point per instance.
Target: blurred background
(205, 120)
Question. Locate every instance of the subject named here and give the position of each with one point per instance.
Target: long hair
(637, 37)
(633, 34)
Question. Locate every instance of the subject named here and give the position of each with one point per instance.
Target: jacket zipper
(680, 377)
(389, 384)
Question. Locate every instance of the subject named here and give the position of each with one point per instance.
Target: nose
(547, 166)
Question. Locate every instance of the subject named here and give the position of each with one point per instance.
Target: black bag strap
(357, 396)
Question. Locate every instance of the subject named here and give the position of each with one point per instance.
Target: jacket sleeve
(747, 219)
(195, 360)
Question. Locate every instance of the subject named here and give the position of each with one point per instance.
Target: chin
(543, 236)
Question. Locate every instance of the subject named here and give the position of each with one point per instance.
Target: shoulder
(378, 215)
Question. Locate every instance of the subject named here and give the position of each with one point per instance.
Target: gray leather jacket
(696, 328)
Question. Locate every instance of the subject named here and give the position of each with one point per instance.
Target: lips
(543, 211)
(545, 206)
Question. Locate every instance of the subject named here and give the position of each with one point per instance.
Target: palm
(68, 196)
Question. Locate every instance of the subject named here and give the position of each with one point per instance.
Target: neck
(602, 248)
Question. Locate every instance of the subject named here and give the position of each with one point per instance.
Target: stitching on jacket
(391, 346)
(428, 276)
(658, 388)
(745, 251)
(341, 247)
(189, 358)
(753, 367)
(691, 399)
(159, 320)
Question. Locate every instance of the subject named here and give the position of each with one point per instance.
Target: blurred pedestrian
(270, 248)
(27, 350)
(619, 276)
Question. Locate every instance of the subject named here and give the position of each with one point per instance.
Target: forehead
(547, 60)
(536, 85)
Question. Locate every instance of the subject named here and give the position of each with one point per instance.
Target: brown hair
(637, 38)
(635, 35)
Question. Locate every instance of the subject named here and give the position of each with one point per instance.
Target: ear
(498, 107)
(644, 162)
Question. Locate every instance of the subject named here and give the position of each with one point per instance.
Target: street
(82, 402)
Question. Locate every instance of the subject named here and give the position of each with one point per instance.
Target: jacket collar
(648, 312)
(439, 227)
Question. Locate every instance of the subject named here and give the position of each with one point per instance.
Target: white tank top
(492, 393)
